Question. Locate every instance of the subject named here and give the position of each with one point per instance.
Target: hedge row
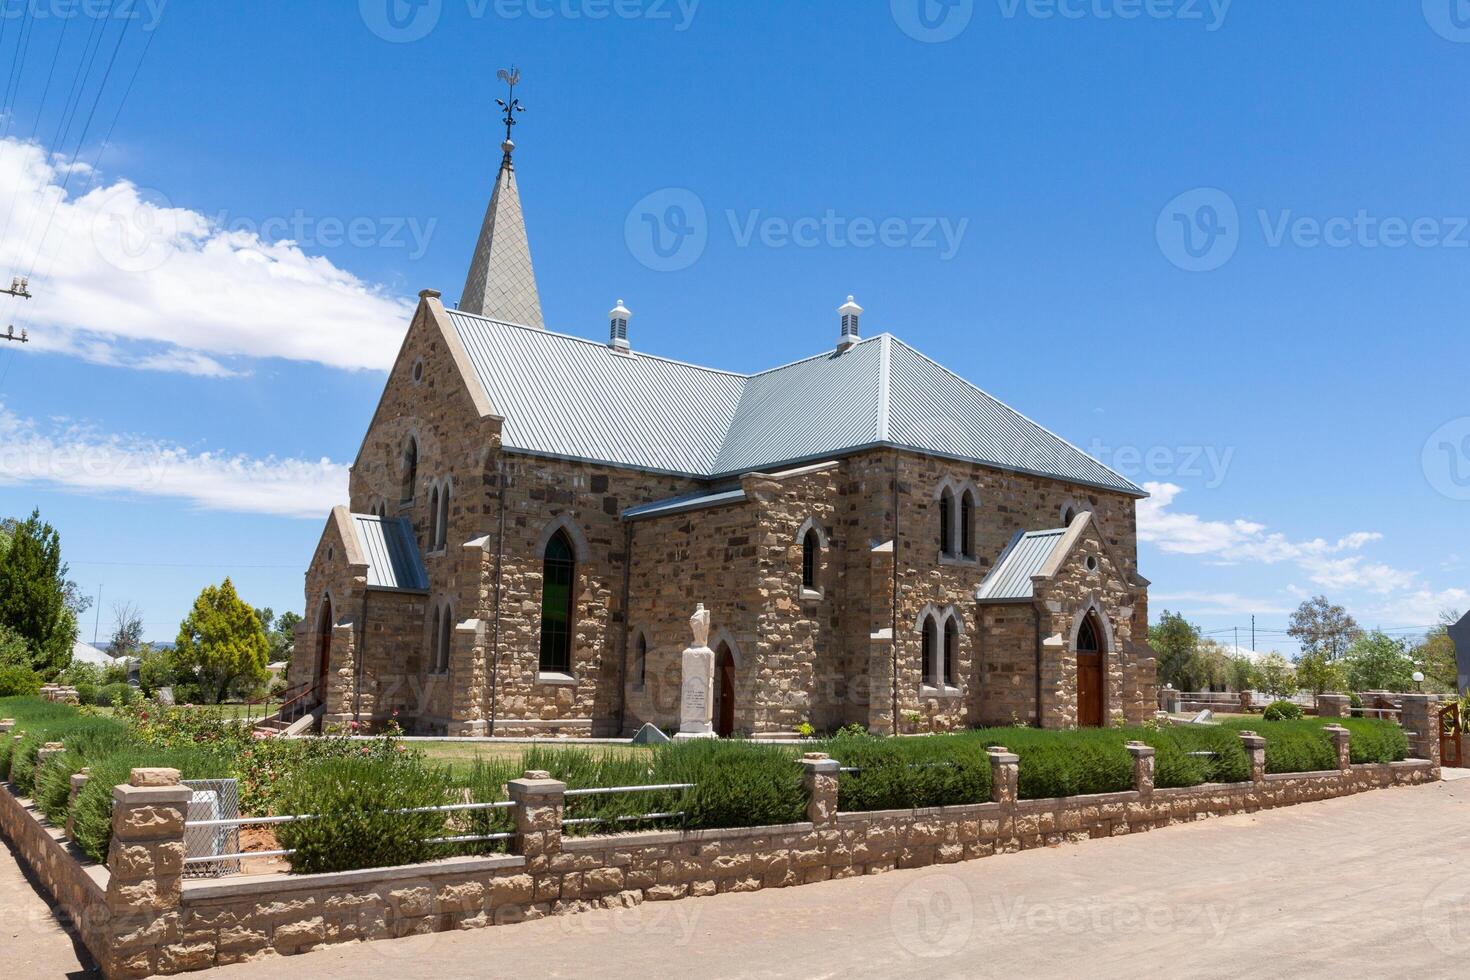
(1303, 745)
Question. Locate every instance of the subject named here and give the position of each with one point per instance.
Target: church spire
(502, 282)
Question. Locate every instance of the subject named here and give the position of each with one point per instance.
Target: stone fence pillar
(821, 773)
(1342, 742)
(1005, 773)
(6, 724)
(1420, 721)
(1143, 767)
(47, 752)
(145, 865)
(1255, 750)
(1245, 702)
(78, 783)
(1333, 706)
(540, 802)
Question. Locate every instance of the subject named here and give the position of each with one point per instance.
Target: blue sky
(1222, 246)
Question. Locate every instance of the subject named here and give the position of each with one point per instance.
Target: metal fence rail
(632, 818)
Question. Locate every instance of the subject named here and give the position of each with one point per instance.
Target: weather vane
(512, 78)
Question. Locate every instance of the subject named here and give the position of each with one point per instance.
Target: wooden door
(725, 695)
(1089, 689)
(1089, 674)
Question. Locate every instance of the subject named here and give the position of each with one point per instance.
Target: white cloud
(125, 278)
(1329, 564)
(79, 459)
(1219, 603)
(1420, 608)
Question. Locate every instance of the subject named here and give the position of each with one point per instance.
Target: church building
(533, 517)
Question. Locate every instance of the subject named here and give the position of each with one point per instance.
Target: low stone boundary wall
(149, 920)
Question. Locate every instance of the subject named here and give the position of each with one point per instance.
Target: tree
(1275, 677)
(127, 630)
(33, 590)
(1320, 675)
(1240, 673)
(221, 644)
(1435, 655)
(155, 670)
(1175, 640)
(1322, 627)
(1378, 662)
(280, 632)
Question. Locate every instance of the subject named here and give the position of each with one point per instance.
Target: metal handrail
(609, 790)
(296, 817)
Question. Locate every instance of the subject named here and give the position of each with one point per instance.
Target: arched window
(558, 577)
(446, 634)
(434, 518)
(1087, 641)
(929, 652)
(811, 545)
(443, 515)
(1069, 514)
(951, 652)
(410, 470)
(642, 660)
(434, 640)
(967, 524)
(946, 522)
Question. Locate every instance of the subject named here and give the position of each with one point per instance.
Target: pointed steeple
(502, 282)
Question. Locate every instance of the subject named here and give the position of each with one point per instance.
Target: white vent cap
(618, 318)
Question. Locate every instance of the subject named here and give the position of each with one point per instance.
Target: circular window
(418, 371)
(1092, 563)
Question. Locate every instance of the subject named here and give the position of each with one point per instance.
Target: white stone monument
(697, 691)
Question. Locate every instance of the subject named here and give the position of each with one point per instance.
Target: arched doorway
(1089, 673)
(724, 691)
(324, 650)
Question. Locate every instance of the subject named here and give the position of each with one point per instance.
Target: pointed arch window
(410, 470)
(929, 651)
(1087, 639)
(950, 670)
(444, 514)
(967, 524)
(811, 546)
(446, 636)
(946, 522)
(434, 518)
(559, 571)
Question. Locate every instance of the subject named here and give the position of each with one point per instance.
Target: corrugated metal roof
(392, 553)
(566, 396)
(677, 505)
(1027, 555)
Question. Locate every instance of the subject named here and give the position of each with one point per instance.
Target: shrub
(1281, 711)
(1293, 746)
(120, 695)
(53, 785)
(92, 812)
(1175, 766)
(1069, 763)
(352, 798)
(1376, 740)
(78, 732)
(738, 784)
(18, 680)
(899, 773)
(87, 692)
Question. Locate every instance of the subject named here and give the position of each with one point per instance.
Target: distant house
(86, 653)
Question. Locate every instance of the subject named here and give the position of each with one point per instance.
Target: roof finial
(512, 105)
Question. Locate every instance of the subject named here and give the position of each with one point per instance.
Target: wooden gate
(1451, 742)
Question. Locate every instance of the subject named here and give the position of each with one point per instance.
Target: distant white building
(86, 653)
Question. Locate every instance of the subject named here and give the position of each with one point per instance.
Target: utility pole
(97, 622)
(21, 287)
(1253, 632)
(1236, 651)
